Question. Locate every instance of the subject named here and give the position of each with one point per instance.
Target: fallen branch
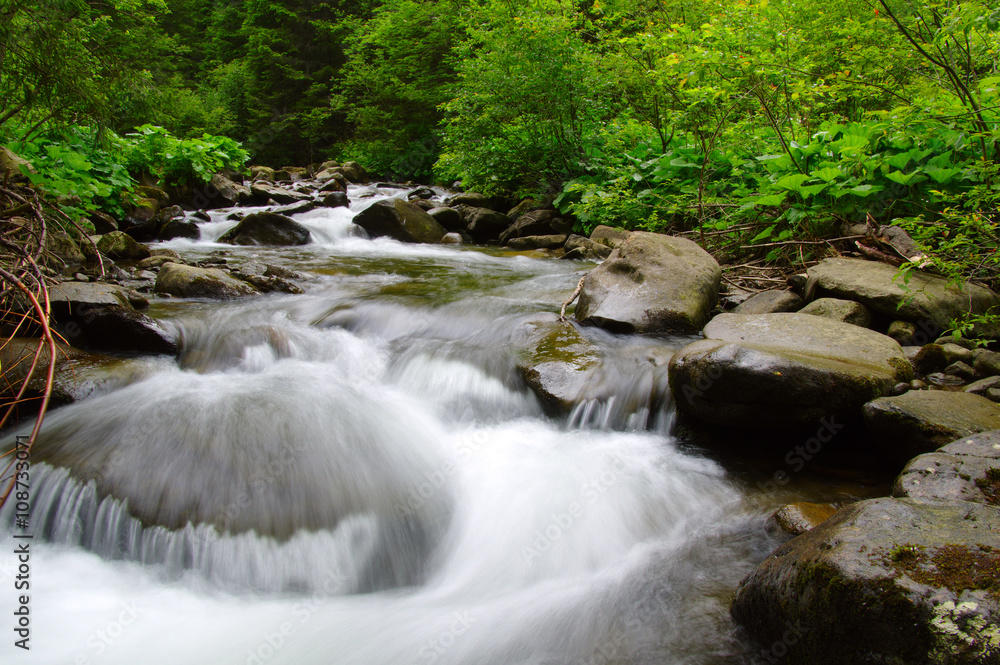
(576, 292)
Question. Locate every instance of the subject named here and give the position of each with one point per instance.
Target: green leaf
(829, 173)
(865, 190)
(768, 200)
(906, 178)
(763, 235)
(792, 181)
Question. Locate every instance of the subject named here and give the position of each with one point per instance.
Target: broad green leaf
(829, 173)
(942, 176)
(865, 190)
(906, 178)
(768, 200)
(792, 181)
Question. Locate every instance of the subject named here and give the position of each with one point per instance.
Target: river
(371, 483)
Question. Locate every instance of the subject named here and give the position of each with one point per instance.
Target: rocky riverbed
(846, 369)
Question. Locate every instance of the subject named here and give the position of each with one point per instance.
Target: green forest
(766, 125)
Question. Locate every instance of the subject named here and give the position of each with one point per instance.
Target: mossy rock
(883, 581)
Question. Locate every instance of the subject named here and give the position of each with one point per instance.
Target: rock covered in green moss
(883, 581)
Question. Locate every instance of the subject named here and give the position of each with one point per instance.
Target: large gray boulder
(102, 317)
(267, 228)
(925, 298)
(651, 283)
(783, 369)
(920, 421)
(191, 282)
(882, 581)
(964, 470)
(401, 220)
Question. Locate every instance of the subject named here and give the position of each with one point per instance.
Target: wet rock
(295, 208)
(191, 282)
(336, 200)
(354, 172)
(537, 242)
(102, 317)
(336, 183)
(401, 220)
(119, 246)
(421, 193)
(846, 311)
(140, 220)
(451, 238)
(650, 284)
(924, 298)
(221, 192)
(179, 228)
(262, 192)
(557, 363)
(484, 224)
(449, 218)
(964, 470)
(473, 199)
(267, 228)
(164, 251)
(536, 223)
(882, 581)
(917, 384)
(267, 278)
(956, 340)
(784, 369)
(797, 518)
(956, 353)
(768, 302)
(921, 420)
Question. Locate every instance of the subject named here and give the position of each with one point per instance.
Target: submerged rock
(883, 581)
(784, 369)
(651, 284)
(557, 363)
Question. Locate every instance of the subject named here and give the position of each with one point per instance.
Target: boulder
(102, 317)
(924, 298)
(354, 172)
(769, 302)
(536, 223)
(264, 173)
(537, 242)
(179, 228)
(221, 192)
(581, 248)
(609, 236)
(336, 183)
(103, 223)
(882, 581)
(797, 518)
(449, 218)
(964, 470)
(140, 221)
(473, 199)
(556, 362)
(922, 420)
(452, 238)
(267, 228)
(783, 370)
(399, 219)
(846, 311)
(262, 192)
(336, 200)
(651, 284)
(119, 246)
(191, 282)
(485, 225)
(902, 331)
(64, 253)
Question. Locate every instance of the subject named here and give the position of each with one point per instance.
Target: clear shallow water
(369, 482)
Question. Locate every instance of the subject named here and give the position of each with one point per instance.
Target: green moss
(990, 486)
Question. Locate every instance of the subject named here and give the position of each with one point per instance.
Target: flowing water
(357, 475)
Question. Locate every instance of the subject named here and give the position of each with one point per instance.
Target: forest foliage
(755, 122)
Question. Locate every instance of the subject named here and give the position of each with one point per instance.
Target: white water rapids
(356, 475)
